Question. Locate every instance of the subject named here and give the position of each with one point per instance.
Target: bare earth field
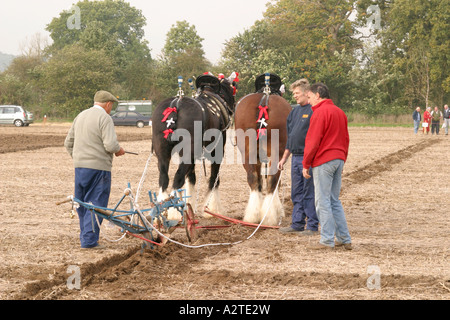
(395, 194)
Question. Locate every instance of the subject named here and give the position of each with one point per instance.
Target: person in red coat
(426, 119)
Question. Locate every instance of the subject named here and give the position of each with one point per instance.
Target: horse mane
(226, 93)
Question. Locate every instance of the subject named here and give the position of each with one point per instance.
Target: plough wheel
(189, 223)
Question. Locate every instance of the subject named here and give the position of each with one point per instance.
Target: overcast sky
(215, 21)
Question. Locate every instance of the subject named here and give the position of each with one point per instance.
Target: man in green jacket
(92, 143)
(436, 116)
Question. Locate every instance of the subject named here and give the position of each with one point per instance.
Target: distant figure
(417, 118)
(436, 116)
(426, 124)
(446, 119)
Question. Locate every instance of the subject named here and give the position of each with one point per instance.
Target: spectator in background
(426, 120)
(436, 116)
(417, 117)
(446, 119)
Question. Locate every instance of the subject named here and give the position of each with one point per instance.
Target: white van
(144, 107)
(15, 115)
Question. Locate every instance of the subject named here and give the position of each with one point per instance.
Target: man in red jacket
(326, 150)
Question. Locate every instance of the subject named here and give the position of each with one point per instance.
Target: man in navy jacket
(417, 118)
(302, 190)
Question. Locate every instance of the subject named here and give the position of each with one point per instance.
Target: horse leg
(252, 211)
(272, 207)
(190, 188)
(212, 197)
(272, 210)
(163, 166)
(178, 182)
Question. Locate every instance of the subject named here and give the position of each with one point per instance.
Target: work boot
(319, 246)
(97, 247)
(347, 246)
(308, 232)
(290, 230)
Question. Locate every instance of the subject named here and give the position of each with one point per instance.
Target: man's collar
(321, 103)
(98, 107)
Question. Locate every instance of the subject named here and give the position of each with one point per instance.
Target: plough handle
(62, 202)
(104, 212)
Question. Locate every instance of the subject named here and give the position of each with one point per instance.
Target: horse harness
(215, 105)
(263, 116)
(209, 90)
(268, 84)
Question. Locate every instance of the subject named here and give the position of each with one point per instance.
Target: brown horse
(261, 135)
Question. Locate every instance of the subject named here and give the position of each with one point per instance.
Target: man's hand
(121, 152)
(283, 160)
(281, 164)
(306, 173)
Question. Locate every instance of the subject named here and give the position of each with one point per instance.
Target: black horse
(195, 128)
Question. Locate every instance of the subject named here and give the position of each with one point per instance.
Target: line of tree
(399, 60)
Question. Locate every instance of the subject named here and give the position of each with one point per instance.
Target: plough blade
(164, 240)
(144, 239)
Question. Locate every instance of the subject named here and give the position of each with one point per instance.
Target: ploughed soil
(395, 194)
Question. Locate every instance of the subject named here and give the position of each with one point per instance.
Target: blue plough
(141, 223)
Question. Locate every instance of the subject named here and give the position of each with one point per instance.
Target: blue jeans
(91, 186)
(302, 195)
(327, 182)
(447, 124)
(416, 125)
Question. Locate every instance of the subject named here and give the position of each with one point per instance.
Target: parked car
(129, 118)
(15, 115)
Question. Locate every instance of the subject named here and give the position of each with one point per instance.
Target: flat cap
(104, 96)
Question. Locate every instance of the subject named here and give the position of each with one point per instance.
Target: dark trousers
(434, 126)
(302, 195)
(91, 186)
